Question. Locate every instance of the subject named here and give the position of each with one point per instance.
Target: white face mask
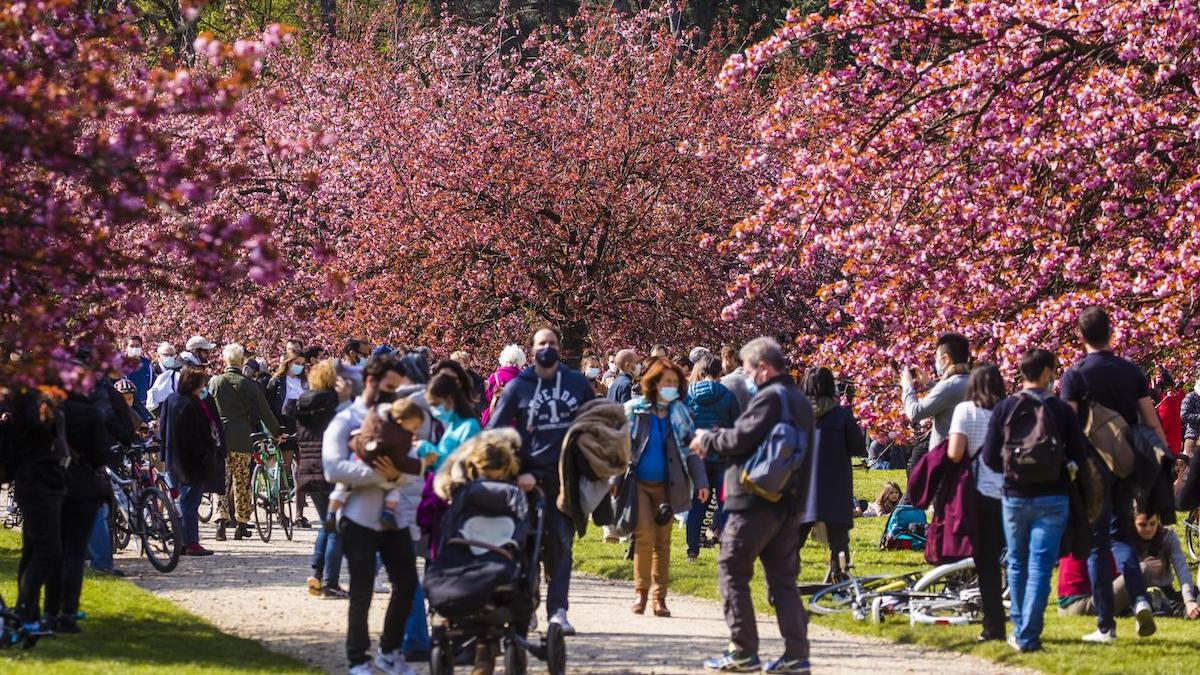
(134, 352)
(591, 373)
(637, 370)
(170, 363)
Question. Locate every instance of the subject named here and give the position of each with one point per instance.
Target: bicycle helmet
(124, 386)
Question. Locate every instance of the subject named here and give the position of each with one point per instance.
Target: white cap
(198, 342)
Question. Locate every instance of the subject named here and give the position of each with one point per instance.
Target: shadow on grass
(127, 627)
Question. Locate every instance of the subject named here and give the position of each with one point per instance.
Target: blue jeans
(416, 631)
(99, 548)
(695, 517)
(189, 513)
(1033, 527)
(327, 552)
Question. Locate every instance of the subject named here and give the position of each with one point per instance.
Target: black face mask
(385, 396)
(546, 357)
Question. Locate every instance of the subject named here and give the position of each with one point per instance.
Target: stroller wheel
(556, 650)
(516, 661)
(441, 660)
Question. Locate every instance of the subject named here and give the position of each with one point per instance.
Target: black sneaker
(66, 625)
(334, 593)
(242, 532)
(790, 666)
(303, 523)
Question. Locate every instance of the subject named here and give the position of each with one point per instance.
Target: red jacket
(1168, 413)
(950, 488)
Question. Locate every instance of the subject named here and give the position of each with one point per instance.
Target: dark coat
(91, 449)
(1188, 496)
(950, 488)
(828, 492)
(314, 410)
(195, 448)
(756, 421)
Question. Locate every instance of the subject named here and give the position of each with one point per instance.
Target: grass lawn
(1175, 648)
(129, 630)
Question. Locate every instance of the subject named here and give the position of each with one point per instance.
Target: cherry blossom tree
(991, 167)
(102, 190)
(469, 191)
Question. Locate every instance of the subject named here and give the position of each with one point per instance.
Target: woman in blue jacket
(713, 406)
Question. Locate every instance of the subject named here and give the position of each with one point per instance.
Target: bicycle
(13, 631)
(12, 510)
(207, 507)
(272, 487)
(1191, 531)
(139, 507)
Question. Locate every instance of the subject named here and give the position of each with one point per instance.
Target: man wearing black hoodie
(542, 402)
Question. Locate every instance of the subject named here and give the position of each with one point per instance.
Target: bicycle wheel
(949, 579)
(205, 512)
(1191, 527)
(285, 514)
(118, 528)
(264, 506)
(160, 533)
(840, 598)
(946, 612)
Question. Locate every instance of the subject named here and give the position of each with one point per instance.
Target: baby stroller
(483, 585)
(905, 530)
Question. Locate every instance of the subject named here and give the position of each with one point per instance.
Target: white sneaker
(1012, 642)
(393, 663)
(1145, 618)
(361, 669)
(380, 586)
(1101, 636)
(560, 618)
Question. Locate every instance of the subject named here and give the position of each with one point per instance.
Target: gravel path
(256, 590)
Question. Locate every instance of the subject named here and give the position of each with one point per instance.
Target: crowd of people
(368, 429)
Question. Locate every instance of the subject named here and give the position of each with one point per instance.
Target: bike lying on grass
(141, 508)
(946, 595)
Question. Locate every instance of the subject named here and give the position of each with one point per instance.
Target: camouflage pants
(237, 483)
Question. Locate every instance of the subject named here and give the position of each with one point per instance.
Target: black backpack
(1033, 450)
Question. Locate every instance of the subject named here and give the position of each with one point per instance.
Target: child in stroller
(483, 583)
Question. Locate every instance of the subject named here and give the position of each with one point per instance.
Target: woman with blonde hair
(327, 394)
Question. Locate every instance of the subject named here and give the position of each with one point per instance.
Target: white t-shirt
(972, 421)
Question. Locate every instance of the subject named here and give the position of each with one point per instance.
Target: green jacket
(243, 408)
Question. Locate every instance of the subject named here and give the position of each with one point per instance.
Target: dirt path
(256, 590)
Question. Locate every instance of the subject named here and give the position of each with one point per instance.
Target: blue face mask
(668, 394)
(297, 369)
(751, 387)
(204, 393)
(440, 411)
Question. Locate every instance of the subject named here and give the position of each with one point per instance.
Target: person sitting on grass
(1159, 554)
(885, 503)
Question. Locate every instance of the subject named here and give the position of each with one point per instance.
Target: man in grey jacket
(758, 529)
(362, 535)
(951, 359)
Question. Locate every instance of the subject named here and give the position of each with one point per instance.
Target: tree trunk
(329, 17)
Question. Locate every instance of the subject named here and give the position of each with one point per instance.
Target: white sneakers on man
(393, 663)
(560, 618)
(361, 669)
(1103, 637)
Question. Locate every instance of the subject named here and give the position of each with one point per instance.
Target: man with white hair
(244, 410)
(168, 376)
(758, 528)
